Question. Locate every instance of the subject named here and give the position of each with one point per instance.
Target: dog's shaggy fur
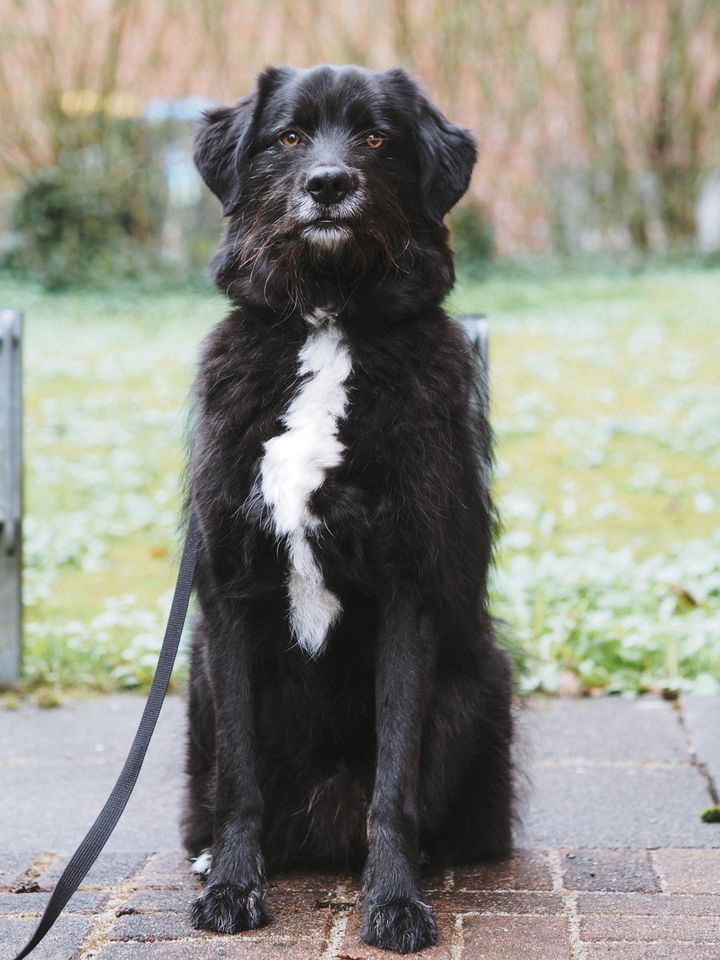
(348, 703)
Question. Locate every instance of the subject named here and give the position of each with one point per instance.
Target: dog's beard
(286, 254)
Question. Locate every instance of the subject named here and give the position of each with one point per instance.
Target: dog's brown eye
(375, 141)
(290, 138)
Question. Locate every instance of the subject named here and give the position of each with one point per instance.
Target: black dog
(347, 701)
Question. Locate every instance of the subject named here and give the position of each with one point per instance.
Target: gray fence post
(10, 495)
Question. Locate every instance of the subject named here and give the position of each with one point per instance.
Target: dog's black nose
(329, 185)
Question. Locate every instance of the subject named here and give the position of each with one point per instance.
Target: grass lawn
(606, 407)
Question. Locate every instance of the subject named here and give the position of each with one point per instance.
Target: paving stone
(689, 871)
(53, 756)
(305, 880)
(650, 951)
(13, 865)
(107, 871)
(66, 801)
(168, 870)
(153, 926)
(157, 901)
(61, 943)
(214, 948)
(526, 870)
(673, 928)
(353, 948)
(597, 729)
(587, 806)
(297, 918)
(653, 904)
(13, 903)
(329, 890)
(620, 870)
(88, 731)
(484, 901)
(702, 721)
(509, 938)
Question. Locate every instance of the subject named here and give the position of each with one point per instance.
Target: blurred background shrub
(471, 234)
(97, 212)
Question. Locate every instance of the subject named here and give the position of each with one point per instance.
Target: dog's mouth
(328, 233)
(330, 223)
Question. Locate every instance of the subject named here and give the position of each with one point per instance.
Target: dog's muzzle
(330, 200)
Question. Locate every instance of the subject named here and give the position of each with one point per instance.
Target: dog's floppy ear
(215, 149)
(446, 152)
(225, 135)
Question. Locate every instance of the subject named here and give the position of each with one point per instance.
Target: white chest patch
(295, 464)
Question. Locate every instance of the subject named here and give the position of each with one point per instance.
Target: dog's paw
(403, 925)
(228, 908)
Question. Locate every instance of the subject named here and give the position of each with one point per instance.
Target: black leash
(98, 834)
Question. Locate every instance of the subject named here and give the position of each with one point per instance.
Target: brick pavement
(614, 863)
(545, 904)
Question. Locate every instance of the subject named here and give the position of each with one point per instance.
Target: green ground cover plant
(606, 409)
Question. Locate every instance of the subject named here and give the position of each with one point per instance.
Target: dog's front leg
(396, 918)
(233, 897)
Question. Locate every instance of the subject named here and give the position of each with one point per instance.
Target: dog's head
(332, 172)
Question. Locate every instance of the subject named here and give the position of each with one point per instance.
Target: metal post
(10, 495)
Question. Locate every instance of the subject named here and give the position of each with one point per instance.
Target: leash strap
(98, 834)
